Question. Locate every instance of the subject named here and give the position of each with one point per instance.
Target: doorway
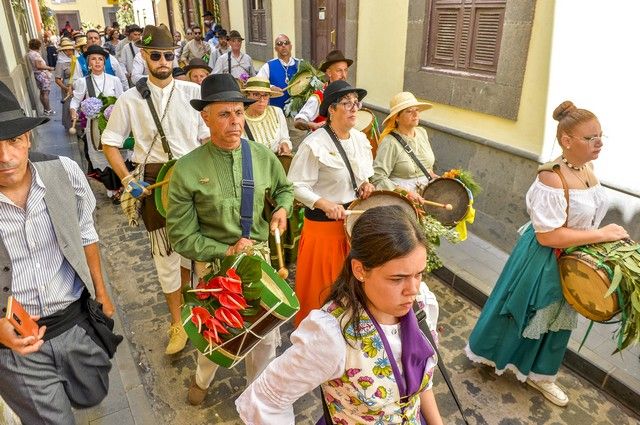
(328, 18)
(72, 16)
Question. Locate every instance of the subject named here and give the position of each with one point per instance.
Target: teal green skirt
(529, 282)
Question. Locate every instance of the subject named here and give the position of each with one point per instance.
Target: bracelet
(127, 179)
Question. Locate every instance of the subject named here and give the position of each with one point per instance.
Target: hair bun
(564, 109)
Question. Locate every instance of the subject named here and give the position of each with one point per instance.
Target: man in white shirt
(222, 48)
(184, 130)
(111, 66)
(235, 62)
(336, 67)
(129, 50)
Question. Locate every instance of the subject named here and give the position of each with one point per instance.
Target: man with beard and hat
(209, 219)
(181, 130)
(336, 67)
(196, 48)
(50, 264)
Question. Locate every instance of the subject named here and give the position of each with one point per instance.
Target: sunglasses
(197, 33)
(168, 56)
(283, 43)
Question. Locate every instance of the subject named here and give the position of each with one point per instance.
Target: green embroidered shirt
(203, 211)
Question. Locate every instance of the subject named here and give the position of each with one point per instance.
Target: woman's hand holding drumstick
(447, 207)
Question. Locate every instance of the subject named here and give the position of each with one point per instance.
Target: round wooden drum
(447, 191)
(161, 194)
(378, 198)
(584, 285)
(365, 122)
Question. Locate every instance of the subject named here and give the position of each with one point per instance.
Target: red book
(20, 319)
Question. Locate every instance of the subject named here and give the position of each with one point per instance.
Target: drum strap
(91, 90)
(343, 155)
(247, 131)
(247, 189)
(421, 316)
(552, 166)
(411, 154)
(144, 91)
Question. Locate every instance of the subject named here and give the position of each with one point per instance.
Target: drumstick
(72, 129)
(282, 271)
(353, 212)
(447, 207)
(157, 184)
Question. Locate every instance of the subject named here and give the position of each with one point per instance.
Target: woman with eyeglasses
(331, 169)
(393, 167)
(364, 347)
(525, 324)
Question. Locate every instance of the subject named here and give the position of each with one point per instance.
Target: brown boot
(196, 394)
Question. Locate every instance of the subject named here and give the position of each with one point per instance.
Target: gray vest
(60, 200)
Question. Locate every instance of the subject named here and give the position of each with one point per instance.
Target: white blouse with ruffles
(317, 355)
(547, 207)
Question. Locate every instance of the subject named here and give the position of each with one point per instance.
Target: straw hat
(261, 85)
(65, 44)
(81, 41)
(402, 101)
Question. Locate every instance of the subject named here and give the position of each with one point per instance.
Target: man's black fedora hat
(219, 88)
(335, 91)
(13, 121)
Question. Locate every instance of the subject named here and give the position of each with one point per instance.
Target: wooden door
(327, 27)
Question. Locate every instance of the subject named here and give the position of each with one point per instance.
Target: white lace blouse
(547, 207)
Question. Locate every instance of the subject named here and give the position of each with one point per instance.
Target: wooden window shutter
(464, 35)
(257, 22)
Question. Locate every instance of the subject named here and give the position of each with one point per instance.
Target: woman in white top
(97, 83)
(326, 185)
(526, 323)
(364, 347)
(266, 123)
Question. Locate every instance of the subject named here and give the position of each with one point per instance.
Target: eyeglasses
(593, 139)
(197, 32)
(351, 106)
(259, 95)
(168, 56)
(283, 43)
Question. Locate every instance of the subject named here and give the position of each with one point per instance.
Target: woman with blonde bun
(525, 324)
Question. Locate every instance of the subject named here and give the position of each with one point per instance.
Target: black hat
(156, 38)
(13, 121)
(335, 91)
(207, 13)
(333, 57)
(235, 34)
(219, 88)
(196, 63)
(95, 50)
(222, 33)
(177, 72)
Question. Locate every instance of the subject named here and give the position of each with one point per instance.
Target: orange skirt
(323, 249)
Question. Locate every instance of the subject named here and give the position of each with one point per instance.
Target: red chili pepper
(232, 301)
(229, 317)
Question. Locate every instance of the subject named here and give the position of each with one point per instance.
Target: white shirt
(182, 124)
(104, 84)
(127, 58)
(317, 170)
(317, 355)
(264, 70)
(310, 110)
(242, 64)
(216, 53)
(118, 68)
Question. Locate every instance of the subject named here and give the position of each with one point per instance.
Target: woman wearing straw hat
(197, 70)
(62, 74)
(393, 167)
(263, 123)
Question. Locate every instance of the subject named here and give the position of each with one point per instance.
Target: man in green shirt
(206, 218)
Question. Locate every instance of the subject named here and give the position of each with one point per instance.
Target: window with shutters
(464, 36)
(257, 22)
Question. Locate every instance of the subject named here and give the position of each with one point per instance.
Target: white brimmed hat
(402, 101)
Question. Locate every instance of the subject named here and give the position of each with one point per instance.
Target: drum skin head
(447, 191)
(161, 194)
(378, 198)
(584, 286)
(300, 84)
(364, 120)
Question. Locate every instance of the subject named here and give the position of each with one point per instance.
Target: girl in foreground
(363, 347)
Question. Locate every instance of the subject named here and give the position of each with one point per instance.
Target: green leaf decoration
(617, 277)
(147, 40)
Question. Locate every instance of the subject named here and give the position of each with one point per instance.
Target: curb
(573, 360)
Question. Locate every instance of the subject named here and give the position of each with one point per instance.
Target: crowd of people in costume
(201, 108)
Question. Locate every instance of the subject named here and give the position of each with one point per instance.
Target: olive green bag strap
(555, 167)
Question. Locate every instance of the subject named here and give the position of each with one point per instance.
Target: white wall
(594, 52)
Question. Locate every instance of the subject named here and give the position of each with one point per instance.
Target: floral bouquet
(229, 312)
(91, 107)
